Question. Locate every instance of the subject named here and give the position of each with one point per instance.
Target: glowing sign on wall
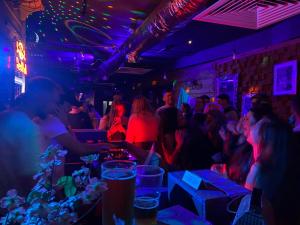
(21, 58)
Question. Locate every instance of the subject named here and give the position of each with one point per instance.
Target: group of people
(258, 149)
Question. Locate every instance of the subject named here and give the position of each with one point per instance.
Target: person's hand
(222, 133)
(117, 128)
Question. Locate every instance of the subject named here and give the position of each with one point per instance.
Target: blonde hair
(213, 106)
(113, 111)
(141, 105)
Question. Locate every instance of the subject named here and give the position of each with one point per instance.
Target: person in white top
(19, 152)
(41, 105)
(255, 119)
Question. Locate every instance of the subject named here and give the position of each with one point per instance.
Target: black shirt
(80, 120)
(168, 119)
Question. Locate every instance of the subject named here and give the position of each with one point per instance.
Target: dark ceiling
(77, 35)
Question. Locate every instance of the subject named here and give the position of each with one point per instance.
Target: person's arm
(103, 123)
(137, 152)
(75, 147)
(225, 135)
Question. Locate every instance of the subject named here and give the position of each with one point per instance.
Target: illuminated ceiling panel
(251, 14)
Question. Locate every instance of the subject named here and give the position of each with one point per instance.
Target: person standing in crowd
(269, 169)
(215, 120)
(213, 106)
(229, 110)
(186, 114)
(143, 125)
(199, 116)
(237, 152)
(169, 116)
(260, 98)
(200, 103)
(77, 118)
(290, 208)
(94, 116)
(115, 123)
(255, 119)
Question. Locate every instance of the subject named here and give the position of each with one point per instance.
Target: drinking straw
(150, 154)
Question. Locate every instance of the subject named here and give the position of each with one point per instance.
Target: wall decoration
(285, 78)
(21, 58)
(228, 84)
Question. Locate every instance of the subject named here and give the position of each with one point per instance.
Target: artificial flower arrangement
(41, 206)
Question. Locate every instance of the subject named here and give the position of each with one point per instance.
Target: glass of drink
(118, 200)
(220, 169)
(148, 183)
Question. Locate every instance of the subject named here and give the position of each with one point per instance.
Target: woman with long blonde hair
(115, 123)
(143, 124)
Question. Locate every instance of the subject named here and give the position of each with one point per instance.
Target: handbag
(250, 210)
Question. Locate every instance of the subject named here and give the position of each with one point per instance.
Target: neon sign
(21, 58)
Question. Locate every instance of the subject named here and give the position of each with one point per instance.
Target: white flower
(38, 210)
(61, 153)
(12, 200)
(90, 158)
(81, 177)
(96, 185)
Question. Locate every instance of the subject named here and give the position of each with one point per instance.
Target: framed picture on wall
(285, 78)
(228, 84)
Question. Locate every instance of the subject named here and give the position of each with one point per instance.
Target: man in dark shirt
(78, 119)
(229, 110)
(199, 116)
(168, 115)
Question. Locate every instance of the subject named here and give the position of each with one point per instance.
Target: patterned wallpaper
(256, 74)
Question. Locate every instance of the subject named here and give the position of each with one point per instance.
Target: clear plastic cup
(149, 180)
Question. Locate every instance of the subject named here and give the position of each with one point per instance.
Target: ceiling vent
(133, 70)
(251, 14)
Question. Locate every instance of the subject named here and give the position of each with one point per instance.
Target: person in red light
(143, 124)
(115, 122)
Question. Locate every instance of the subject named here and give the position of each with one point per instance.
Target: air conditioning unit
(251, 14)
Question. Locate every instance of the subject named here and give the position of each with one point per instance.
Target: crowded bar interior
(149, 112)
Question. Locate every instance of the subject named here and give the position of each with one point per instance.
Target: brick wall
(256, 72)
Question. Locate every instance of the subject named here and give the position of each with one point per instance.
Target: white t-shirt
(50, 128)
(251, 180)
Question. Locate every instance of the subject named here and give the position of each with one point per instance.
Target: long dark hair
(274, 143)
(261, 110)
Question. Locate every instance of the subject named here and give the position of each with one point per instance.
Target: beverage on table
(148, 183)
(118, 200)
